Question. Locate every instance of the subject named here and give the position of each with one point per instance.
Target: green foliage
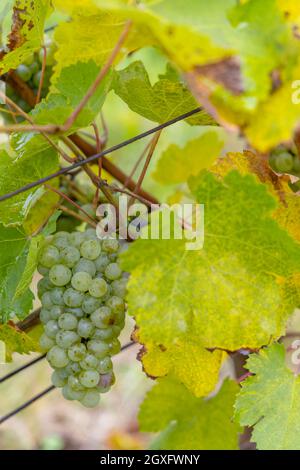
(16, 341)
(270, 401)
(188, 422)
(166, 99)
(18, 257)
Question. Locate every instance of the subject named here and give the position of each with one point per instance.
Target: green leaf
(198, 154)
(60, 104)
(27, 34)
(16, 173)
(270, 401)
(237, 292)
(18, 260)
(166, 99)
(188, 422)
(16, 341)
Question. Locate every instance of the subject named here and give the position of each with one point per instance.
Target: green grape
(77, 352)
(61, 240)
(85, 265)
(296, 165)
(284, 162)
(29, 60)
(24, 72)
(105, 334)
(81, 281)
(90, 399)
(89, 362)
(71, 394)
(46, 300)
(60, 275)
(45, 315)
(70, 256)
(90, 249)
(106, 381)
(51, 328)
(34, 67)
(116, 304)
(102, 317)
(119, 288)
(98, 288)
(110, 245)
(62, 373)
(75, 384)
(67, 393)
(57, 357)
(65, 338)
(46, 343)
(85, 328)
(73, 298)
(114, 347)
(113, 271)
(44, 285)
(57, 296)
(91, 234)
(55, 312)
(76, 238)
(89, 378)
(67, 321)
(90, 304)
(74, 368)
(105, 365)
(77, 311)
(49, 256)
(98, 348)
(49, 56)
(57, 381)
(42, 270)
(101, 262)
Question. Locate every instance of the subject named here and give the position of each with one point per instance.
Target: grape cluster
(83, 310)
(284, 161)
(30, 72)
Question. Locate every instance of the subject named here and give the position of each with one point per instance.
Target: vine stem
(38, 98)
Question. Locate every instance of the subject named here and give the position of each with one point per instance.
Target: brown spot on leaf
(16, 38)
(276, 80)
(226, 72)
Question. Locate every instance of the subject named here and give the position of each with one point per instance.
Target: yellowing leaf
(28, 32)
(16, 341)
(190, 362)
(177, 164)
(190, 422)
(270, 401)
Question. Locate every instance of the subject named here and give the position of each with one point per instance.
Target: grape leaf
(236, 292)
(60, 103)
(16, 341)
(195, 156)
(197, 423)
(166, 99)
(27, 33)
(18, 259)
(15, 174)
(270, 401)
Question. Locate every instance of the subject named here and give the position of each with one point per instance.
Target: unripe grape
(81, 281)
(98, 348)
(60, 275)
(57, 381)
(46, 342)
(75, 384)
(24, 72)
(77, 352)
(284, 162)
(89, 378)
(57, 357)
(90, 249)
(70, 256)
(90, 304)
(114, 347)
(110, 245)
(57, 296)
(101, 262)
(46, 300)
(65, 338)
(116, 304)
(85, 265)
(67, 321)
(105, 365)
(102, 317)
(85, 328)
(73, 298)
(51, 328)
(45, 315)
(98, 288)
(49, 256)
(113, 271)
(105, 334)
(76, 238)
(90, 399)
(89, 362)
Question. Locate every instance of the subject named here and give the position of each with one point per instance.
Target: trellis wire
(39, 395)
(95, 157)
(21, 368)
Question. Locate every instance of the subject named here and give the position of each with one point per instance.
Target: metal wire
(78, 164)
(23, 367)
